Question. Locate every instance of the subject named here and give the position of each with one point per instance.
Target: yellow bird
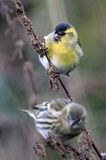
(64, 49)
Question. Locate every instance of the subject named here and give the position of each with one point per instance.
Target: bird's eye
(71, 34)
(61, 33)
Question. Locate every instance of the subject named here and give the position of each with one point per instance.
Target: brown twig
(93, 145)
(63, 149)
(40, 149)
(87, 146)
(37, 42)
(87, 149)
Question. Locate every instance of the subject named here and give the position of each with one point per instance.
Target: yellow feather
(63, 54)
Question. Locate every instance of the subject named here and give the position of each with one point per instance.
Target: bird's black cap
(61, 27)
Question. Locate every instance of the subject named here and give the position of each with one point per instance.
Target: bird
(61, 117)
(63, 49)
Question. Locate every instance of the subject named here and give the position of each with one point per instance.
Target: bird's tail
(29, 112)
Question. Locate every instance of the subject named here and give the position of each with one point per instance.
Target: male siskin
(63, 49)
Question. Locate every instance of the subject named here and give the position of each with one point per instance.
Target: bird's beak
(74, 122)
(56, 37)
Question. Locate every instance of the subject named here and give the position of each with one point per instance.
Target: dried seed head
(53, 78)
(85, 145)
(64, 150)
(39, 149)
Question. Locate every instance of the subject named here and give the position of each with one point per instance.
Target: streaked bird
(61, 117)
(63, 48)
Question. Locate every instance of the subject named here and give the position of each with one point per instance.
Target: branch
(87, 146)
(87, 149)
(37, 42)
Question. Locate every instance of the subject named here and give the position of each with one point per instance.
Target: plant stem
(65, 89)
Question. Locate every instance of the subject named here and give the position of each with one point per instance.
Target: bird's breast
(62, 55)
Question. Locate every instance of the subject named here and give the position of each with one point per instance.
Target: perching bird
(63, 49)
(61, 117)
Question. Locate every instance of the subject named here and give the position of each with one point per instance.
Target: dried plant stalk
(63, 149)
(40, 149)
(87, 146)
(53, 78)
(37, 42)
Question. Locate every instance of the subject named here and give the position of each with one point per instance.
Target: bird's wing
(79, 50)
(30, 113)
(59, 104)
(54, 104)
(41, 107)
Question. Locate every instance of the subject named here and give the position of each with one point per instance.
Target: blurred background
(23, 81)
